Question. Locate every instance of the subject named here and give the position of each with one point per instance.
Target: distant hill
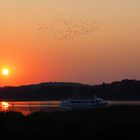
(119, 90)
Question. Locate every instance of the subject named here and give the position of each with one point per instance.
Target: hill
(119, 90)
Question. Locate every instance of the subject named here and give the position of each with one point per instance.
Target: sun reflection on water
(4, 105)
(29, 107)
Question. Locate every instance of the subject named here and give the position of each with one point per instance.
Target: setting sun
(5, 71)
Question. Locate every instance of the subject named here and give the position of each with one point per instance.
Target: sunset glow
(86, 41)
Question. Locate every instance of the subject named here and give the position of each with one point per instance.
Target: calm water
(28, 107)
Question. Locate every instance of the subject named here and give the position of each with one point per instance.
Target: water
(116, 103)
(28, 107)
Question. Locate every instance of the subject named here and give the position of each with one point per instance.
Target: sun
(5, 71)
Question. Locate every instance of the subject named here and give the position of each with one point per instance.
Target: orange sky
(34, 52)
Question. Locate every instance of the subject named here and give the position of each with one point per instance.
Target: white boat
(70, 104)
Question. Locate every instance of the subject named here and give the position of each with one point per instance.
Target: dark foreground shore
(118, 122)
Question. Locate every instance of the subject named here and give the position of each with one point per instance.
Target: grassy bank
(120, 122)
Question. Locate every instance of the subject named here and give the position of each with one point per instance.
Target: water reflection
(5, 105)
(27, 108)
(114, 103)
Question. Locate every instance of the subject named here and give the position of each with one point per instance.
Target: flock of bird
(64, 28)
